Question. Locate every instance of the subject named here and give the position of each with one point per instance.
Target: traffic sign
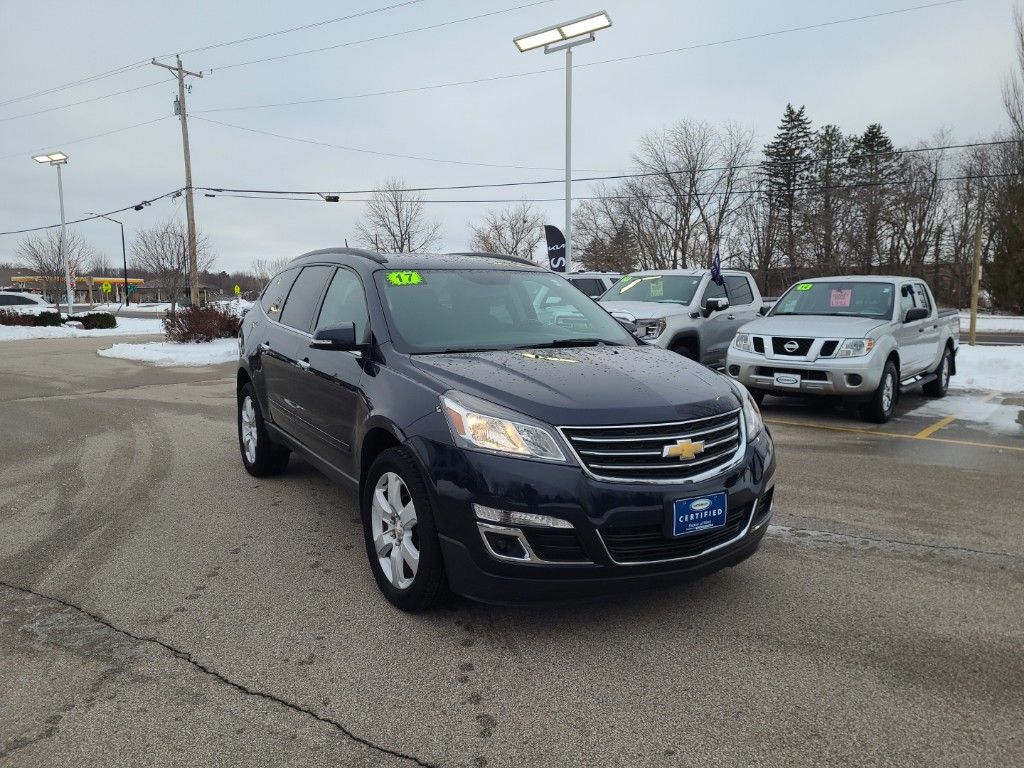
(106, 287)
(238, 290)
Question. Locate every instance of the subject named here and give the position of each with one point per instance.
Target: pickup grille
(648, 543)
(636, 451)
(802, 346)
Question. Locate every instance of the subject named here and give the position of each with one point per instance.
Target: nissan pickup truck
(864, 339)
(685, 311)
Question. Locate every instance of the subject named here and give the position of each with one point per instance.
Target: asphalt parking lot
(160, 606)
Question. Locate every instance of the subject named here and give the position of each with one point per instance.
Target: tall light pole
(565, 37)
(58, 159)
(124, 254)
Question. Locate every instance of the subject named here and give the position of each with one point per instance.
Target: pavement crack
(220, 677)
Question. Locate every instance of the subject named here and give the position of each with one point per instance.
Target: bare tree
(396, 222)
(264, 269)
(160, 252)
(99, 264)
(42, 253)
(515, 230)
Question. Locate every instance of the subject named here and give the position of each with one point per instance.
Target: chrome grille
(636, 451)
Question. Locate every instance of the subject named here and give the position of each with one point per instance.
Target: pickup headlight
(651, 329)
(483, 426)
(743, 342)
(751, 413)
(855, 347)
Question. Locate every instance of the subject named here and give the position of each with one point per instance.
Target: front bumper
(846, 377)
(607, 518)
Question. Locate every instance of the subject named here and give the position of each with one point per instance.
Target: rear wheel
(399, 532)
(881, 405)
(938, 387)
(260, 455)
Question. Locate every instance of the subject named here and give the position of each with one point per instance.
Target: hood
(586, 385)
(646, 310)
(817, 326)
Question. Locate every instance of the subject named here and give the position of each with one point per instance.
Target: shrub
(48, 319)
(7, 317)
(93, 320)
(201, 324)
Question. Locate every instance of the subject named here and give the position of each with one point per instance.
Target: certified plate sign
(703, 513)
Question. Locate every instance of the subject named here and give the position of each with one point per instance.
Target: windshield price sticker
(657, 289)
(840, 298)
(805, 286)
(405, 278)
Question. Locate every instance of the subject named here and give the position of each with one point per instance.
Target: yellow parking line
(945, 421)
(875, 433)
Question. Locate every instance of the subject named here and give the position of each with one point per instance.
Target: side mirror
(340, 338)
(914, 314)
(629, 326)
(763, 310)
(716, 304)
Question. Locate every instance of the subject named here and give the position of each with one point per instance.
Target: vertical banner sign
(556, 248)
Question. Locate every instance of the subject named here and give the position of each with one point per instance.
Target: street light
(124, 254)
(58, 159)
(565, 37)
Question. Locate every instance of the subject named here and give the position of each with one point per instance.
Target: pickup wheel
(687, 349)
(758, 395)
(938, 387)
(399, 532)
(881, 405)
(261, 456)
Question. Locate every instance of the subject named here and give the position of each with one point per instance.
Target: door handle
(730, 317)
(303, 364)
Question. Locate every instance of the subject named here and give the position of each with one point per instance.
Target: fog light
(734, 370)
(504, 545)
(508, 517)
(853, 379)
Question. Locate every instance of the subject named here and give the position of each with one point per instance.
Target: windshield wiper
(569, 343)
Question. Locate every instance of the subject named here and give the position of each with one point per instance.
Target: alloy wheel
(395, 535)
(887, 393)
(249, 434)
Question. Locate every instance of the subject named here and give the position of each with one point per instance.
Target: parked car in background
(865, 339)
(594, 284)
(684, 310)
(494, 453)
(25, 303)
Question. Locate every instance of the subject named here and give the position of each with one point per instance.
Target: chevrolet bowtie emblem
(684, 450)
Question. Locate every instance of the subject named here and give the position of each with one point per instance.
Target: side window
(274, 294)
(906, 299)
(304, 297)
(739, 290)
(921, 297)
(6, 301)
(591, 286)
(345, 302)
(713, 291)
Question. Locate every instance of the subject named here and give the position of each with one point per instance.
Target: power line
(87, 138)
(134, 206)
(143, 62)
(632, 57)
(378, 153)
(83, 101)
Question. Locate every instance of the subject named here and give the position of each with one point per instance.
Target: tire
(686, 349)
(412, 580)
(758, 395)
(262, 457)
(880, 407)
(938, 387)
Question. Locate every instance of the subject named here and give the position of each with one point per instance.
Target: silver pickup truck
(865, 339)
(684, 310)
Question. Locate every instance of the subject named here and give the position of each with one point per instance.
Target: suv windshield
(848, 298)
(672, 289)
(449, 310)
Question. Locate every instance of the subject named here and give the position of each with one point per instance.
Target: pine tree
(873, 165)
(828, 200)
(786, 166)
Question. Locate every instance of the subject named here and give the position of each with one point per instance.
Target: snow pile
(237, 307)
(148, 308)
(989, 368)
(126, 326)
(169, 353)
(993, 323)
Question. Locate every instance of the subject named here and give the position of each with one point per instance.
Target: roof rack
(500, 256)
(366, 254)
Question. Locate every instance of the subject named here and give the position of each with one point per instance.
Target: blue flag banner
(716, 268)
(556, 248)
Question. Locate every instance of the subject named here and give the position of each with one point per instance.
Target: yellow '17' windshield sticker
(805, 286)
(405, 278)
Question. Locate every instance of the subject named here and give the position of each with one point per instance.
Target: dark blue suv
(508, 438)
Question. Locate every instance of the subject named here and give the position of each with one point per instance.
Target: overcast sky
(915, 73)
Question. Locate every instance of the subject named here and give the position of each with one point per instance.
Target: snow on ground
(993, 323)
(169, 353)
(126, 326)
(989, 368)
(237, 307)
(155, 309)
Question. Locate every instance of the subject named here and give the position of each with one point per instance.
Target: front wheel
(938, 387)
(399, 532)
(260, 455)
(881, 405)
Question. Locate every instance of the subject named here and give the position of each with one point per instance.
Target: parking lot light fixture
(554, 39)
(58, 159)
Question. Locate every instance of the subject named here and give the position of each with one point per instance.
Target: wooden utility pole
(190, 212)
(976, 269)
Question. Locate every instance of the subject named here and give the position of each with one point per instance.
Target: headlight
(743, 342)
(855, 347)
(751, 413)
(651, 329)
(483, 426)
